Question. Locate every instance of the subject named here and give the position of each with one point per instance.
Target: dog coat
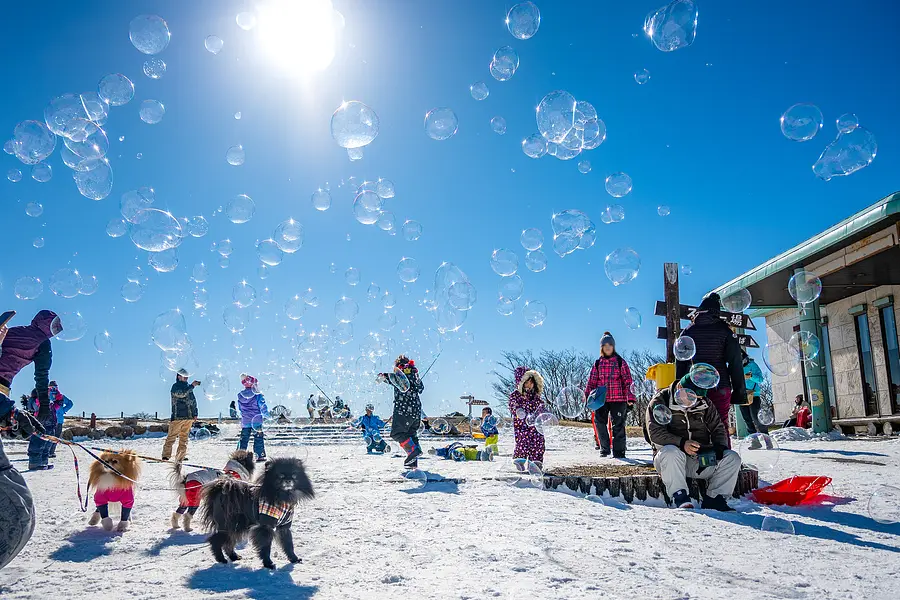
(195, 481)
(281, 512)
(123, 495)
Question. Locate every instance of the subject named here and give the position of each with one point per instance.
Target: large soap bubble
(65, 283)
(86, 140)
(801, 122)
(684, 348)
(346, 310)
(96, 180)
(149, 33)
(412, 230)
(633, 318)
(165, 261)
(622, 265)
(704, 376)
(269, 253)
(555, 115)
(523, 20)
(673, 26)
(235, 155)
(240, 209)
(780, 360)
(289, 236)
(504, 63)
(536, 261)
(63, 111)
(570, 402)
(479, 90)
(115, 89)
(618, 185)
(511, 288)
(354, 125)
(849, 152)
(408, 270)
(169, 331)
(214, 44)
(504, 262)
(156, 230)
(28, 288)
(804, 346)
(737, 302)
(884, 505)
(154, 68)
(441, 123)
(535, 313)
(33, 142)
(532, 238)
(152, 111)
(805, 287)
(462, 295)
(760, 451)
(74, 326)
(534, 146)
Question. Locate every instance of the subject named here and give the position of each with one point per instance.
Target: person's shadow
(86, 545)
(176, 538)
(432, 482)
(822, 508)
(260, 584)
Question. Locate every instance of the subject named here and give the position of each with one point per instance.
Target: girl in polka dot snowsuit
(524, 401)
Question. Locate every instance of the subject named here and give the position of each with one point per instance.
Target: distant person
(526, 400)
(232, 410)
(311, 407)
(753, 379)
(610, 371)
(184, 413)
(692, 442)
(253, 411)
(489, 430)
(371, 424)
(61, 405)
(801, 415)
(717, 346)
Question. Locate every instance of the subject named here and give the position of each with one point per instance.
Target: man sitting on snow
(689, 440)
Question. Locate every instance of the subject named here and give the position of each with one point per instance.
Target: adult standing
(311, 407)
(610, 371)
(753, 379)
(184, 413)
(717, 346)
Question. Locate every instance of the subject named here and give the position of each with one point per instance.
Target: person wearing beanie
(612, 374)
(690, 440)
(184, 413)
(717, 346)
(253, 408)
(407, 411)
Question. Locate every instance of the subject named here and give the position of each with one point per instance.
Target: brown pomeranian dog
(109, 487)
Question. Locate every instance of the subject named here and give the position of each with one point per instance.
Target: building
(854, 383)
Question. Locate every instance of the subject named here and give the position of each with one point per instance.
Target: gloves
(24, 423)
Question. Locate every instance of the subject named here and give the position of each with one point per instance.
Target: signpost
(674, 312)
(689, 313)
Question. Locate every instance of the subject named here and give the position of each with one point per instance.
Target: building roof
(856, 270)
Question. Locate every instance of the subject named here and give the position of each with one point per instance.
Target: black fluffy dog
(233, 509)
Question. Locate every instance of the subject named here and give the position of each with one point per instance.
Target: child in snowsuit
(253, 409)
(524, 401)
(61, 405)
(489, 430)
(461, 453)
(371, 424)
(407, 412)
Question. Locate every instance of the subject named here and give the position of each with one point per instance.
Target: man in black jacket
(718, 346)
(184, 413)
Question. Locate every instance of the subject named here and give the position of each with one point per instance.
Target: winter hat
(607, 338)
(711, 303)
(183, 373)
(687, 383)
(248, 381)
(370, 407)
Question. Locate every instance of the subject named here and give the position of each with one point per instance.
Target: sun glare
(300, 35)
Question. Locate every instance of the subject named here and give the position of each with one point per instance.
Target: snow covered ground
(369, 534)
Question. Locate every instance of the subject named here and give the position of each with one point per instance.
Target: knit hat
(183, 373)
(711, 303)
(607, 339)
(248, 381)
(687, 383)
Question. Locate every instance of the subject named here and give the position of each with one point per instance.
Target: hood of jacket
(530, 374)
(42, 321)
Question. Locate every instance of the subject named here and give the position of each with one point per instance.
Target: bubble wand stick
(312, 381)
(431, 365)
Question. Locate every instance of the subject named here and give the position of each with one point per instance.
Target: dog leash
(154, 459)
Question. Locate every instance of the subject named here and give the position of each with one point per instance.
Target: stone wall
(779, 329)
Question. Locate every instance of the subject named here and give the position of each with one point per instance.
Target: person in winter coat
(717, 346)
(60, 405)
(253, 409)
(311, 407)
(17, 517)
(371, 424)
(184, 413)
(613, 373)
(22, 346)
(801, 415)
(690, 440)
(526, 400)
(753, 379)
(489, 430)
(407, 411)
(232, 410)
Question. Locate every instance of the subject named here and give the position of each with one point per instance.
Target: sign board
(689, 313)
(744, 340)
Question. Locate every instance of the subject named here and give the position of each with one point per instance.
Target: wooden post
(93, 421)
(673, 308)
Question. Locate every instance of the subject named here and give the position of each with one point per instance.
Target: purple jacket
(252, 405)
(26, 344)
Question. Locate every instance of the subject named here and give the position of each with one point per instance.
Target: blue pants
(375, 444)
(259, 445)
(38, 449)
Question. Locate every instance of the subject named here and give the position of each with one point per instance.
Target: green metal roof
(841, 235)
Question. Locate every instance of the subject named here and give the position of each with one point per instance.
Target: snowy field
(369, 534)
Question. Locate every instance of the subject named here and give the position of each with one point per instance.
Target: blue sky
(702, 136)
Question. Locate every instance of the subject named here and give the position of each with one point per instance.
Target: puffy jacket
(408, 405)
(804, 417)
(717, 346)
(613, 373)
(371, 424)
(184, 404)
(28, 344)
(700, 423)
(753, 377)
(252, 404)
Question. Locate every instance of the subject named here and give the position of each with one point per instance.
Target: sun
(300, 36)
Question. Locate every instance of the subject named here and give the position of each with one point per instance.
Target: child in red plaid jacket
(612, 372)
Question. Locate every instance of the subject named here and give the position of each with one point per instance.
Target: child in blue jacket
(253, 409)
(62, 405)
(489, 429)
(371, 424)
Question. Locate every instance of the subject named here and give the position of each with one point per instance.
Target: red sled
(791, 492)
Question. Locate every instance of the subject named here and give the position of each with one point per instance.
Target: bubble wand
(313, 381)
(431, 365)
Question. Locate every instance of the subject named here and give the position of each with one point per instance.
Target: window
(891, 354)
(866, 365)
(829, 372)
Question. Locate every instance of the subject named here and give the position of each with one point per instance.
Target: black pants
(751, 417)
(403, 428)
(616, 411)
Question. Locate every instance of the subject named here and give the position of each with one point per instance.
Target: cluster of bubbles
(566, 128)
(673, 26)
(853, 149)
(572, 230)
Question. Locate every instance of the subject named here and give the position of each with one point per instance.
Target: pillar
(816, 382)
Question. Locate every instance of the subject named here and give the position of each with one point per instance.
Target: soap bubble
(532, 238)
(523, 20)
(511, 288)
(622, 265)
(387, 321)
(74, 326)
(62, 112)
(440, 426)
(504, 262)
(847, 123)
(673, 26)
(805, 287)
(103, 342)
(155, 230)
(570, 402)
(115, 89)
(534, 146)
(801, 122)
(684, 348)
(633, 318)
(618, 185)
(504, 63)
(152, 111)
(642, 76)
(704, 376)
(778, 525)
(197, 226)
(498, 125)
(95, 107)
(33, 142)
(14, 175)
(135, 274)
(363, 208)
(89, 285)
(213, 43)
(408, 270)
(351, 276)
(535, 313)
(884, 505)
(663, 210)
(165, 261)
(234, 156)
(685, 398)
(760, 451)
(65, 283)
(149, 34)
(662, 414)
(289, 236)
(133, 201)
(536, 261)
(243, 294)
(269, 253)
(388, 301)
(41, 172)
(584, 166)
(88, 141)
(386, 221)
(240, 209)
(38, 242)
(847, 154)
(766, 416)
(544, 422)
(462, 295)
(354, 125)
(154, 68)
(246, 20)
(169, 331)
(385, 189)
(804, 346)
(321, 200)
(235, 318)
(132, 291)
(737, 302)
(479, 90)
(686, 270)
(441, 124)
(616, 213)
(200, 273)
(28, 288)
(412, 230)
(354, 154)
(346, 310)
(555, 115)
(34, 209)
